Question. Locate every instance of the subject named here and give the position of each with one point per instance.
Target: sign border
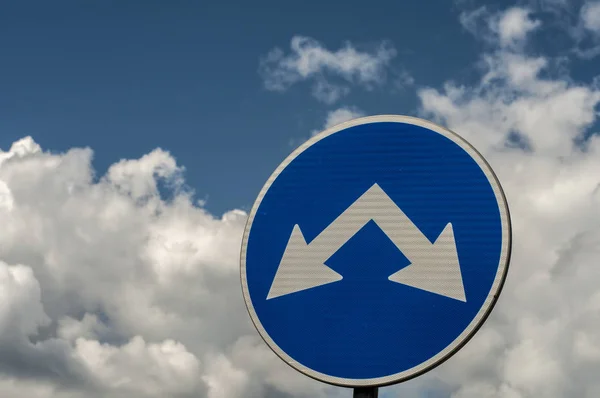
(479, 318)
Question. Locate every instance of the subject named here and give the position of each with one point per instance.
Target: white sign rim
(477, 321)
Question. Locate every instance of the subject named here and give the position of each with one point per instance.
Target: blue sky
(111, 290)
(125, 77)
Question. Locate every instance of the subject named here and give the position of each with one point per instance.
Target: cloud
(309, 60)
(342, 115)
(22, 312)
(514, 25)
(541, 339)
(580, 21)
(329, 93)
(507, 29)
(339, 115)
(112, 287)
(475, 21)
(590, 16)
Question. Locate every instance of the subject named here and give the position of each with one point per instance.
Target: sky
(135, 136)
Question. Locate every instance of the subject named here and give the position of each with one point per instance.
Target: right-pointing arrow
(436, 269)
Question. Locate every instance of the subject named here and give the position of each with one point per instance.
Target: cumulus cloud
(310, 60)
(111, 289)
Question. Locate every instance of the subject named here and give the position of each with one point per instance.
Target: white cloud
(138, 368)
(514, 25)
(590, 16)
(122, 293)
(342, 115)
(309, 60)
(404, 79)
(224, 380)
(328, 93)
(138, 177)
(508, 29)
(475, 21)
(581, 22)
(21, 312)
(339, 115)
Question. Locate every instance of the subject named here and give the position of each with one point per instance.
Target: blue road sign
(375, 251)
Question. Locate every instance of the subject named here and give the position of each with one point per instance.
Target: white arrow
(434, 267)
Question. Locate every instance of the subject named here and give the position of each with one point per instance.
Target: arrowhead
(436, 270)
(300, 269)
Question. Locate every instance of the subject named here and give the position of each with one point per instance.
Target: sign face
(375, 251)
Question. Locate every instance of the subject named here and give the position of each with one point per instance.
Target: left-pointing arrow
(299, 269)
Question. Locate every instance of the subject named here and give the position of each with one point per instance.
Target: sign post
(375, 251)
(366, 392)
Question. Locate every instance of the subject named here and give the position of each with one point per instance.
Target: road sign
(375, 251)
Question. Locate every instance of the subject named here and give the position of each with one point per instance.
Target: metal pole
(366, 392)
